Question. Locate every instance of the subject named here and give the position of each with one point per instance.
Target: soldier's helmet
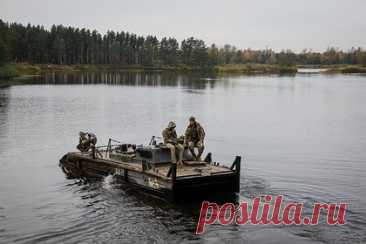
(171, 124)
(192, 118)
(81, 133)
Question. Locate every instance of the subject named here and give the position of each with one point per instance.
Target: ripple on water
(300, 136)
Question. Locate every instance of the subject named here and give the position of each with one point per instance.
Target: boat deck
(195, 168)
(188, 169)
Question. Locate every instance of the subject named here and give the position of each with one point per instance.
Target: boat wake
(108, 182)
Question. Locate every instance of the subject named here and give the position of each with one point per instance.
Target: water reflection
(164, 79)
(4, 100)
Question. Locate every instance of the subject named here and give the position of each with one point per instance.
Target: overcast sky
(278, 24)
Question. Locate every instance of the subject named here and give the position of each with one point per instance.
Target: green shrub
(8, 71)
(353, 69)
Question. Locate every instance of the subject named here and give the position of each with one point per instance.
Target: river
(301, 136)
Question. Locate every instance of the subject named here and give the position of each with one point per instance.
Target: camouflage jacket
(170, 136)
(194, 133)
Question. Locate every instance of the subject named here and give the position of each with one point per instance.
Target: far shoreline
(16, 70)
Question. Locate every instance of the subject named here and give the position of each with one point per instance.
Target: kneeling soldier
(171, 141)
(86, 141)
(194, 137)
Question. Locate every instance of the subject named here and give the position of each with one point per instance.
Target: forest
(63, 45)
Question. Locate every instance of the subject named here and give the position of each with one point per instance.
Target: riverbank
(8, 71)
(25, 69)
(293, 69)
(336, 68)
(255, 69)
(348, 69)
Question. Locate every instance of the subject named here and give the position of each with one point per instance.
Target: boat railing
(110, 146)
(106, 149)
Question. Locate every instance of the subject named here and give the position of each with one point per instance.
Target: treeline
(68, 45)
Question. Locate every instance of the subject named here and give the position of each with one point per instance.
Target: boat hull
(76, 165)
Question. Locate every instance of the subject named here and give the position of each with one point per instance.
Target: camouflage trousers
(176, 152)
(199, 145)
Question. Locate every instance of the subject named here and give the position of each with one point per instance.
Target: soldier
(92, 141)
(86, 141)
(92, 138)
(82, 146)
(194, 137)
(171, 141)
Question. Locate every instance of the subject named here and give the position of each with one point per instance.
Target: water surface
(302, 136)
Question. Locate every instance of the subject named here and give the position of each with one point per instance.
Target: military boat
(150, 168)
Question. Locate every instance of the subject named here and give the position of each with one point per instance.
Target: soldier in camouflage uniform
(86, 141)
(171, 141)
(92, 138)
(194, 137)
(82, 146)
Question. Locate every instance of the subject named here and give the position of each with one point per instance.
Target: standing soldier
(92, 138)
(194, 137)
(82, 146)
(171, 141)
